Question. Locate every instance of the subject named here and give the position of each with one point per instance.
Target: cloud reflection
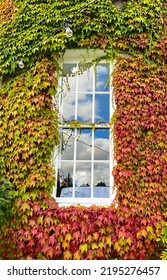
(81, 84)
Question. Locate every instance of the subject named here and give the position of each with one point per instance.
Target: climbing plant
(135, 36)
(5, 201)
(140, 137)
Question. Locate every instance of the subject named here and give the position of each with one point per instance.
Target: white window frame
(74, 56)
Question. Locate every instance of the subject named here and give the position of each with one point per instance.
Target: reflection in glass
(68, 107)
(67, 144)
(85, 81)
(85, 108)
(83, 179)
(84, 144)
(101, 180)
(64, 178)
(102, 108)
(102, 75)
(69, 79)
(84, 158)
(101, 144)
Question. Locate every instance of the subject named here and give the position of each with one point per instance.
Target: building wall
(29, 128)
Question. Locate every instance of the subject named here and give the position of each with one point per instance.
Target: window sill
(84, 202)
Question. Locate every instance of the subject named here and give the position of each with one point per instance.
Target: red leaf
(64, 229)
(76, 235)
(34, 232)
(31, 243)
(40, 235)
(21, 245)
(90, 255)
(73, 246)
(21, 232)
(36, 208)
(51, 240)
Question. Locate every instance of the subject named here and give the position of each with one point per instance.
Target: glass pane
(68, 107)
(101, 180)
(84, 144)
(67, 144)
(102, 108)
(65, 179)
(101, 144)
(83, 180)
(102, 76)
(85, 108)
(69, 79)
(85, 81)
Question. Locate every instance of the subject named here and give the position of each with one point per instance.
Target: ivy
(139, 148)
(78, 233)
(27, 144)
(5, 200)
(135, 35)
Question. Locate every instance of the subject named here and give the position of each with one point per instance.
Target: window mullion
(74, 163)
(92, 164)
(75, 133)
(93, 98)
(93, 120)
(76, 96)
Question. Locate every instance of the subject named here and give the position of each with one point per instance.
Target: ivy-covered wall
(136, 37)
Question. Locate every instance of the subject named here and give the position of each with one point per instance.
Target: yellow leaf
(89, 238)
(25, 207)
(129, 240)
(77, 255)
(125, 201)
(68, 237)
(151, 236)
(40, 220)
(117, 247)
(83, 248)
(108, 241)
(65, 245)
(67, 255)
(121, 241)
(126, 248)
(94, 246)
(149, 229)
(49, 254)
(144, 232)
(95, 236)
(138, 235)
(60, 238)
(101, 245)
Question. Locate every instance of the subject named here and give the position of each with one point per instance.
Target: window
(84, 162)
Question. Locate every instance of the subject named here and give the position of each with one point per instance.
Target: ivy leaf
(40, 220)
(77, 255)
(108, 241)
(65, 245)
(83, 248)
(68, 237)
(67, 255)
(64, 230)
(95, 236)
(90, 255)
(52, 240)
(76, 235)
(25, 207)
(117, 246)
(94, 246)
